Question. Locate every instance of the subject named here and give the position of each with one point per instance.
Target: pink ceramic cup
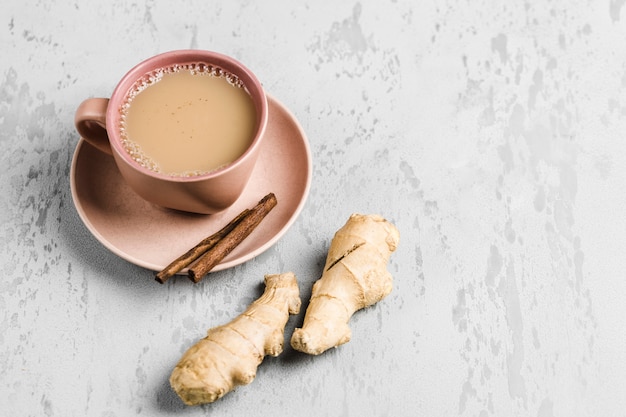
(97, 121)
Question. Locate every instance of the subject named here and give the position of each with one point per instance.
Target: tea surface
(188, 122)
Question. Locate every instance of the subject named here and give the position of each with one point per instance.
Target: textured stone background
(491, 133)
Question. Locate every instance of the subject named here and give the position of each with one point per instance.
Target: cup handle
(90, 122)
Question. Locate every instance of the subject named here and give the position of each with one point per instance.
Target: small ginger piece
(230, 354)
(355, 276)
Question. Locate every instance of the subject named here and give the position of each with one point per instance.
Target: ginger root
(230, 354)
(355, 276)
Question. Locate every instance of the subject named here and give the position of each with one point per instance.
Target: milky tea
(187, 120)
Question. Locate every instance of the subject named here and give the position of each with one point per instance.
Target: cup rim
(187, 56)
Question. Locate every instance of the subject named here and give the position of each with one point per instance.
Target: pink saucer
(151, 237)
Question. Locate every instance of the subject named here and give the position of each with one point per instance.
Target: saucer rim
(226, 263)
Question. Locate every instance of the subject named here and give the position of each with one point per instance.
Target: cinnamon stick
(229, 242)
(194, 253)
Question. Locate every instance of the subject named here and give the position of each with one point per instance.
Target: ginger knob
(355, 276)
(230, 354)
